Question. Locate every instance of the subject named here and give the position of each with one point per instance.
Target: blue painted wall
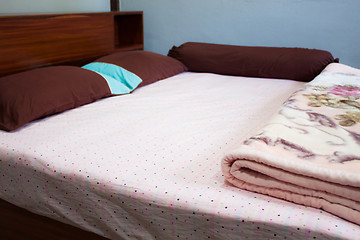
(53, 6)
(332, 25)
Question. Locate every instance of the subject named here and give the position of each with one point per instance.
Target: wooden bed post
(114, 5)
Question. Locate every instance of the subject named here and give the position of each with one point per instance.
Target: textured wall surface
(49, 6)
(331, 25)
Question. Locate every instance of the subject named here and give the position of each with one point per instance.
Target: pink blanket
(309, 151)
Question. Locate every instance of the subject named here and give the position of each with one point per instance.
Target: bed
(148, 164)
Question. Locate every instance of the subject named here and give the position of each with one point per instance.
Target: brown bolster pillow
(149, 66)
(264, 62)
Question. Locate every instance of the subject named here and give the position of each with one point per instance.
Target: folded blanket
(309, 151)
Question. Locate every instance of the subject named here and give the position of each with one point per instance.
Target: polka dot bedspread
(147, 165)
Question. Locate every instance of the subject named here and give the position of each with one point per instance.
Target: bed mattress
(147, 165)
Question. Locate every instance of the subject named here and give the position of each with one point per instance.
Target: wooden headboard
(32, 41)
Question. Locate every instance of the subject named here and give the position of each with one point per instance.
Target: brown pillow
(41, 92)
(265, 62)
(149, 66)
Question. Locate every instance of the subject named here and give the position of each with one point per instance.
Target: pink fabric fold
(309, 151)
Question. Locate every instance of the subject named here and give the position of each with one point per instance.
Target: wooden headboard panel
(32, 41)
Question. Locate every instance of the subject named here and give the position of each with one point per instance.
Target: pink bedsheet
(147, 165)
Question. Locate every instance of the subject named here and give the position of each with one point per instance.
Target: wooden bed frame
(33, 41)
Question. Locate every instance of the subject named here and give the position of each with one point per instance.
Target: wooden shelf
(128, 31)
(129, 47)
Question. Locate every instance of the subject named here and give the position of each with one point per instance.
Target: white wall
(53, 6)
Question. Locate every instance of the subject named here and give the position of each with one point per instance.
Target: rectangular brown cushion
(266, 62)
(41, 92)
(149, 66)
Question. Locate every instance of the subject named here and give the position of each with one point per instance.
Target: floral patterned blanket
(309, 151)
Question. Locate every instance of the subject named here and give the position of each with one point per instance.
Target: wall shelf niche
(128, 31)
